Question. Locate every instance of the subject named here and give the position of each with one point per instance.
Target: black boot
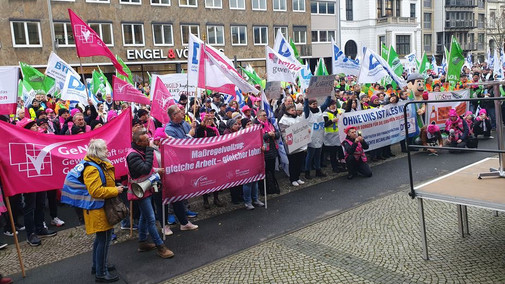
(307, 175)
(319, 173)
(206, 204)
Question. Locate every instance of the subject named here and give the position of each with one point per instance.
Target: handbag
(115, 210)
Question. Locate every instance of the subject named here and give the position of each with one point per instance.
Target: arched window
(351, 49)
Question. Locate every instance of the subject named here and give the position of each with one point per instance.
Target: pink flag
(88, 43)
(202, 165)
(124, 91)
(162, 99)
(32, 161)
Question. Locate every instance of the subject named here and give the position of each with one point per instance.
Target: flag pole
(83, 78)
(16, 241)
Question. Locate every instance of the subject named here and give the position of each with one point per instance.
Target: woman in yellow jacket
(95, 219)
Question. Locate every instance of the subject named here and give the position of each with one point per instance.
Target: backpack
(74, 190)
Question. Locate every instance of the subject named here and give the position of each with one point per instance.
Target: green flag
(384, 52)
(297, 55)
(126, 70)
(321, 68)
(99, 84)
(425, 65)
(394, 62)
(446, 52)
(252, 76)
(149, 75)
(40, 83)
(455, 62)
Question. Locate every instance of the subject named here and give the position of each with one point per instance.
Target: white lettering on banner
(149, 54)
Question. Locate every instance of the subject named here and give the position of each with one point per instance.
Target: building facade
(495, 24)
(151, 35)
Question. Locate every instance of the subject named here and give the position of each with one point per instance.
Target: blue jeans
(250, 190)
(313, 158)
(101, 252)
(147, 221)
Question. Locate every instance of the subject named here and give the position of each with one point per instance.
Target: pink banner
(32, 161)
(124, 91)
(162, 99)
(201, 165)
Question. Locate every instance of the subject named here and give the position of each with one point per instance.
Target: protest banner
(341, 64)
(57, 69)
(177, 85)
(280, 69)
(297, 136)
(8, 89)
(32, 161)
(202, 165)
(273, 89)
(380, 126)
(321, 86)
(439, 112)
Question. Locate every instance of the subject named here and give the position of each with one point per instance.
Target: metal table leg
(465, 220)
(423, 229)
(460, 220)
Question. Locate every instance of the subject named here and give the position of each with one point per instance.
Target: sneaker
(113, 237)
(44, 223)
(145, 246)
(189, 227)
(167, 231)
(191, 214)
(171, 219)
(258, 204)
(57, 222)
(45, 233)
(20, 228)
(5, 280)
(300, 182)
(249, 206)
(135, 227)
(33, 240)
(164, 252)
(2, 246)
(295, 183)
(9, 233)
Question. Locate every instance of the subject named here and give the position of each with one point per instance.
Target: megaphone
(140, 188)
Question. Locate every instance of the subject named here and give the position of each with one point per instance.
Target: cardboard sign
(297, 136)
(273, 89)
(321, 86)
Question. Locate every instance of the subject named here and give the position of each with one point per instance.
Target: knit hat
(245, 121)
(111, 115)
(468, 113)
(230, 122)
(362, 96)
(482, 111)
(299, 106)
(142, 112)
(236, 115)
(432, 128)
(49, 110)
(373, 98)
(74, 111)
(94, 124)
(349, 128)
(245, 108)
(452, 112)
(26, 123)
(159, 134)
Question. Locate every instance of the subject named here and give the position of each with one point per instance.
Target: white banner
(305, 75)
(8, 89)
(342, 64)
(297, 136)
(194, 53)
(379, 126)
(177, 84)
(280, 69)
(58, 69)
(74, 90)
(284, 49)
(439, 112)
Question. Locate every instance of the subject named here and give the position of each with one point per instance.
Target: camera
(359, 133)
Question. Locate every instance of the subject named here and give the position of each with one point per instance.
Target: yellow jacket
(95, 219)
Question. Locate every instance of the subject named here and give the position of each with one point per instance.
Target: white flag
(58, 69)
(194, 53)
(497, 66)
(342, 64)
(8, 89)
(305, 75)
(280, 69)
(374, 68)
(284, 49)
(74, 90)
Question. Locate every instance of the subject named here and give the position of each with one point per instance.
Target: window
(480, 22)
(93, 1)
(188, 3)
(322, 36)
(480, 41)
(324, 8)
(133, 34)
(136, 2)
(403, 44)
(427, 3)
(260, 35)
(26, 34)
(299, 5)
(279, 5)
(427, 43)
(104, 30)
(63, 34)
(237, 4)
(412, 10)
(163, 34)
(160, 2)
(382, 40)
(238, 35)
(380, 6)
(427, 20)
(186, 29)
(259, 4)
(214, 4)
(481, 4)
(215, 35)
(300, 35)
(348, 10)
(284, 31)
(492, 18)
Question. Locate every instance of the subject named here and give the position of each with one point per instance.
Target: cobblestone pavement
(378, 242)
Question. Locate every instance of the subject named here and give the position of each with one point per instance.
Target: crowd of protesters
(216, 114)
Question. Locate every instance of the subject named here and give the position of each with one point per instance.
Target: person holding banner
(331, 138)
(314, 115)
(270, 149)
(355, 157)
(296, 157)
